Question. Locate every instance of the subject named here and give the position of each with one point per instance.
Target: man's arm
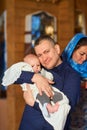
(41, 82)
(25, 77)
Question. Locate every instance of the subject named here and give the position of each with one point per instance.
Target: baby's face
(35, 65)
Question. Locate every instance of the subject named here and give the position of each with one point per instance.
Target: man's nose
(44, 57)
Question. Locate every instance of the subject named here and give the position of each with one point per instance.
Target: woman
(76, 55)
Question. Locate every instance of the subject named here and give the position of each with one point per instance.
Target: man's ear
(57, 48)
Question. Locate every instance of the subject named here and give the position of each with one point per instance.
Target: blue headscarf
(67, 53)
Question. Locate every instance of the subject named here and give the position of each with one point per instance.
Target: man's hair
(44, 37)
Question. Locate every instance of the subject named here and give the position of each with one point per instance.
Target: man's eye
(47, 51)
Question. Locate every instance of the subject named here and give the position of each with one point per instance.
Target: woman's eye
(82, 54)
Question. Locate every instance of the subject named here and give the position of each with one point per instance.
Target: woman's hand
(43, 84)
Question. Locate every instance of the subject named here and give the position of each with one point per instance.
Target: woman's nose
(84, 57)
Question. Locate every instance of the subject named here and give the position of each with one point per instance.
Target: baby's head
(33, 60)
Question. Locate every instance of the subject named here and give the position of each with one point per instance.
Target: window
(37, 24)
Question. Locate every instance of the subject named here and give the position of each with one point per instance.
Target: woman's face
(80, 55)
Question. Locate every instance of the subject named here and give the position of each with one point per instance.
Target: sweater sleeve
(25, 77)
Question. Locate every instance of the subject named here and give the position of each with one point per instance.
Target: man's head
(33, 60)
(47, 51)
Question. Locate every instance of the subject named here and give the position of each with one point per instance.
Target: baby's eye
(39, 55)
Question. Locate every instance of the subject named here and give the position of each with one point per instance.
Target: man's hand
(28, 96)
(43, 84)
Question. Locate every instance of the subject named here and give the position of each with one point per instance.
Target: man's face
(48, 54)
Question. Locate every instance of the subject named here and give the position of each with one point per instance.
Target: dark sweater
(66, 80)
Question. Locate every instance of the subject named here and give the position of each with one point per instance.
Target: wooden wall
(3, 114)
(2, 6)
(16, 12)
(82, 6)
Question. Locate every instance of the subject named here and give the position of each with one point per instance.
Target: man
(66, 80)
